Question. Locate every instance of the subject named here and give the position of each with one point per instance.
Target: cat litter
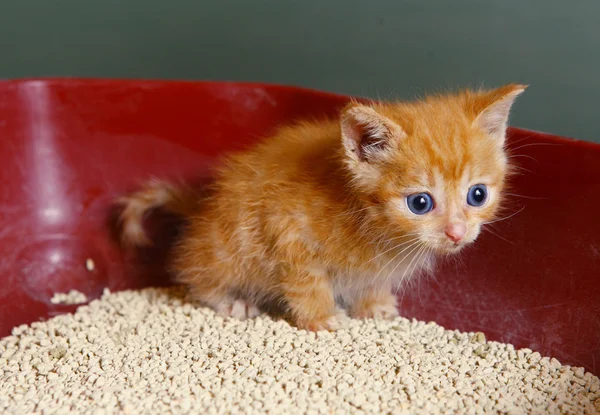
(151, 352)
(72, 297)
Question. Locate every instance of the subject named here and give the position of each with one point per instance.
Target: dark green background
(377, 48)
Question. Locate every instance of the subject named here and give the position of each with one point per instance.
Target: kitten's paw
(382, 308)
(329, 323)
(240, 309)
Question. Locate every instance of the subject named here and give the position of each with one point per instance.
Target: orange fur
(316, 215)
(179, 200)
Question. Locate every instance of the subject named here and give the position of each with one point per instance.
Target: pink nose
(456, 231)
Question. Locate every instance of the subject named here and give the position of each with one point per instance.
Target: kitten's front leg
(375, 302)
(309, 296)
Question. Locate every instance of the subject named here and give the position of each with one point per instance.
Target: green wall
(391, 48)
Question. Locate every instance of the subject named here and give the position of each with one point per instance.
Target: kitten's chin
(449, 249)
(456, 249)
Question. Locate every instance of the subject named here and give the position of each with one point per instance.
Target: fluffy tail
(178, 200)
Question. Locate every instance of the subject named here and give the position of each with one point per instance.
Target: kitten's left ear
(492, 110)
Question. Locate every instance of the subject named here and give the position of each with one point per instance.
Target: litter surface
(151, 352)
(72, 297)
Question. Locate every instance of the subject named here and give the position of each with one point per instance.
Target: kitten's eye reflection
(477, 195)
(420, 203)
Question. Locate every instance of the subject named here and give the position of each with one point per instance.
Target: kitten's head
(434, 169)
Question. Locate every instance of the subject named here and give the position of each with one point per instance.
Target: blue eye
(420, 203)
(477, 195)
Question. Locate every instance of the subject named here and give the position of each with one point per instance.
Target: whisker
(420, 256)
(520, 168)
(506, 217)
(426, 254)
(391, 249)
(420, 246)
(403, 236)
(491, 225)
(498, 236)
(520, 140)
(417, 257)
(387, 242)
(512, 156)
(458, 261)
(533, 145)
(390, 261)
(526, 197)
(408, 273)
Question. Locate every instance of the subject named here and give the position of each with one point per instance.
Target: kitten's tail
(179, 200)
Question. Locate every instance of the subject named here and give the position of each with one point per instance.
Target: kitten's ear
(492, 109)
(366, 134)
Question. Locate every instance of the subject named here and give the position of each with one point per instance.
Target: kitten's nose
(456, 231)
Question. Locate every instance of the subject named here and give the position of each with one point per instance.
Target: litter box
(69, 147)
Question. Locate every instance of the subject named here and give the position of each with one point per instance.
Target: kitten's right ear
(366, 134)
(492, 109)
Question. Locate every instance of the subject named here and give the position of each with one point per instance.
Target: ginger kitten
(339, 211)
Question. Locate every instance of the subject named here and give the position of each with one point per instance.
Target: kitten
(339, 211)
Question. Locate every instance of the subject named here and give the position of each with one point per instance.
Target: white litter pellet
(72, 297)
(90, 265)
(151, 352)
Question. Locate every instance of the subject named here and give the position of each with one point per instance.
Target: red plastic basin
(69, 147)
